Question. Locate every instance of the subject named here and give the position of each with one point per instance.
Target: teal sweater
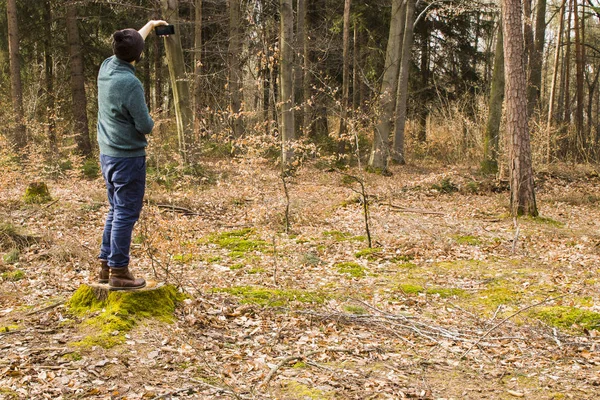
(123, 117)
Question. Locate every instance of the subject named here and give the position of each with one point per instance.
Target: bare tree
(16, 91)
(287, 82)
(179, 82)
(235, 70)
(197, 66)
(345, 104)
(387, 93)
(522, 195)
(402, 95)
(79, 104)
(537, 57)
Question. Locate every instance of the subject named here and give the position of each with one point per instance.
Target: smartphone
(164, 30)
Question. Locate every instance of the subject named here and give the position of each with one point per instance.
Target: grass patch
(91, 168)
(298, 391)
(272, 297)
(11, 238)
(351, 268)
(568, 317)
(467, 239)
(13, 276)
(238, 242)
(408, 288)
(339, 236)
(369, 254)
(358, 310)
(446, 292)
(12, 256)
(237, 266)
(445, 186)
(547, 221)
(120, 312)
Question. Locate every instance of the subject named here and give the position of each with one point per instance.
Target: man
(123, 123)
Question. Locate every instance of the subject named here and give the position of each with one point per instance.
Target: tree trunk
(387, 93)
(235, 71)
(536, 62)
(198, 68)
(49, 78)
(527, 32)
(491, 142)
(19, 137)
(345, 80)
(179, 84)
(522, 195)
(306, 90)
(287, 83)
(82, 134)
(580, 141)
(402, 94)
(561, 14)
(299, 66)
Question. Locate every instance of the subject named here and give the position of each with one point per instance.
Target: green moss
(402, 258)
(311, 259)
(411, 289)
(139, 239)
(498, 293)
(214, 259)
(343, 236)
(120, 311)
(8, 393)
(37, 193)
(253, 271)
(298, 391)
(351, 268)
(567, 317)
(239, 242)
(468, 240)
(272, 297)
(369, 253)
(546, 221)
(183, 258)
(299, 364)
(74, 356)
(358, 310)
(13, 276)
(446, 292)
(12, 256)
(9, 328)
(445, 186)
(236, 266)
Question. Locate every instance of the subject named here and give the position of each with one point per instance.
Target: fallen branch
(412, 210)
(50, 307)
(177, 209)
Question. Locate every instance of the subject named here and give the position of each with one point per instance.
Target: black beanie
(128, 45)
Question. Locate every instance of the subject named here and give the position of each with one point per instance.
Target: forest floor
(454, 301)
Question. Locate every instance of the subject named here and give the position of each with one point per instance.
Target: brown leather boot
(104, 272)
(122, 279)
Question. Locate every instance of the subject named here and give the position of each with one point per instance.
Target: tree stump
(108, 314)
(37, 192)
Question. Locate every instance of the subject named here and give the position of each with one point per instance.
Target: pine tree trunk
(491, 139)
(198, 68)
(521, 172)
(79, 105)
(402, 94)
(19, 137)
(299, 66)
(49, 78)
(536, 62)
(580, 142)
(387, 93)
(179, 84)
(306, 79)
(557, 49)
(235, 71)
(287, 83)
(345, 104)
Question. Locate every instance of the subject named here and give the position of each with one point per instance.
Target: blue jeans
(125, 179)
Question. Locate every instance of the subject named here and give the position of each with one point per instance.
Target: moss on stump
(110, 314)
(37, 192)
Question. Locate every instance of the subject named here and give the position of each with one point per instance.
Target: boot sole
(115, 288)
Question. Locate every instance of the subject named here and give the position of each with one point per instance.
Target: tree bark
(179, 84)
(299, 66)
(198, 68)
(345, 104)
(580, 141)
(561, 14)
(287, 82)
(402, 94)
(537, 57)
(19, 137)
(491, 142)
(49, 78)
(387, 93)
(522, 195)
(79, 104)
(235, 71)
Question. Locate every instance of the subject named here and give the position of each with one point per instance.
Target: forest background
(343, 189)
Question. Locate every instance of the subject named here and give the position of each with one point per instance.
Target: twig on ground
(412, 210)
(50, 307)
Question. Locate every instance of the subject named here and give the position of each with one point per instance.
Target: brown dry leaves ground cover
(443, 308)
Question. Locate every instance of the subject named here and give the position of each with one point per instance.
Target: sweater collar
(120, 62)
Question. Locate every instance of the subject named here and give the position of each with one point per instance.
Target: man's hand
(150, 25)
